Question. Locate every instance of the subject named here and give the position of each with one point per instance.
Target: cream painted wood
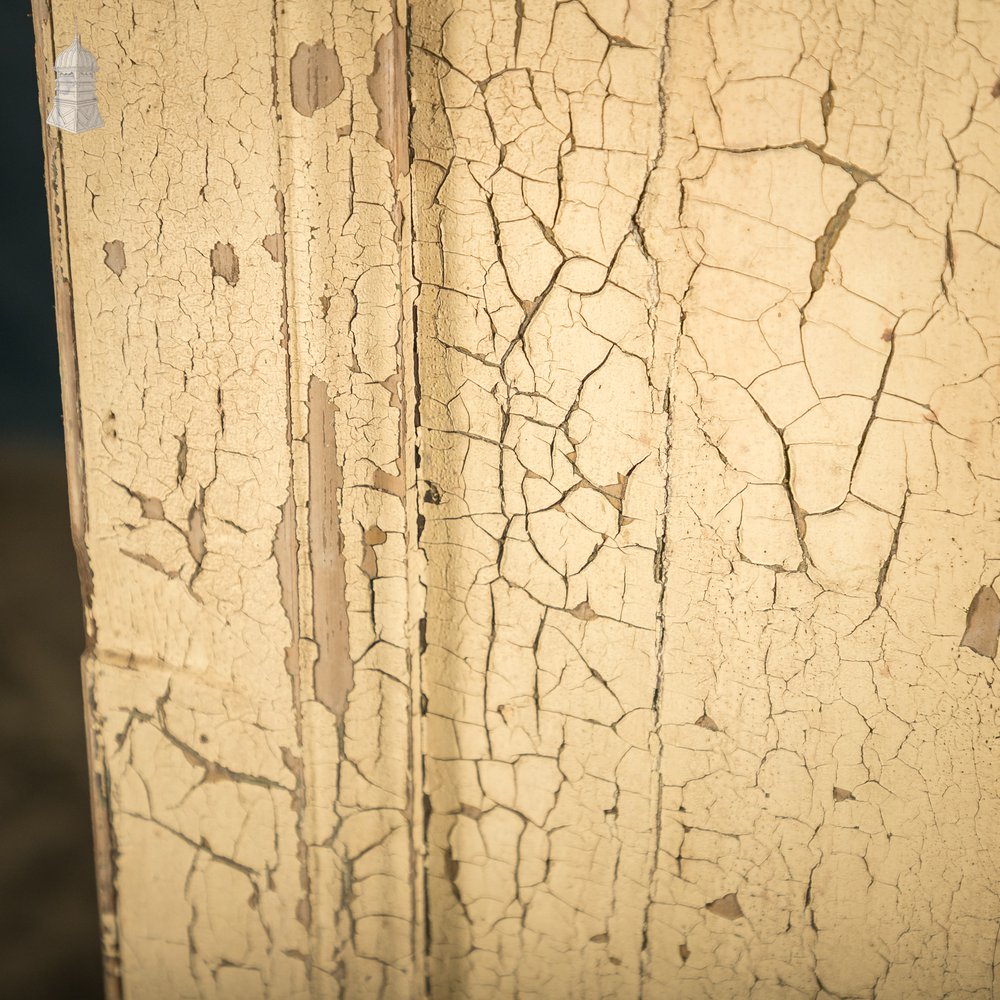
(534, 467)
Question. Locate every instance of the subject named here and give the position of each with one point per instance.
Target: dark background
(29, 384)
(48, 910)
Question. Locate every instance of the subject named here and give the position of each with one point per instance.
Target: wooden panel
(536, 466)
(245, 518)
(543, 441)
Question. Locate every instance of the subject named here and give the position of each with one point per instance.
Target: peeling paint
(727, 907)
(316, 78)
(114, 256)
(545, 566)
(387, 86)
(982, 624)
(334, 669)
(225, 263)
(274, 244)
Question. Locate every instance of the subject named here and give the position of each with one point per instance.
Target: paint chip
(114, 256)
(316, 78)
(387, 87)
(375, 536)
(225, 263)
(275, 246)
(982, 624)
(196, 531)
(152, 508)
(727, 906)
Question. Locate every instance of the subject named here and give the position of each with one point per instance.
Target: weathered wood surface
(535, 473)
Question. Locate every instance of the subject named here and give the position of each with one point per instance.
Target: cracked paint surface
(539, 495)
(827, 212)
(243, 426)
(543, 431)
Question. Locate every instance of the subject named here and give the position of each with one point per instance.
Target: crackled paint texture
(236, 246)
(534, 464)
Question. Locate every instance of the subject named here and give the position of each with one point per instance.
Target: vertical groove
(415, 627)
(661, 561)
